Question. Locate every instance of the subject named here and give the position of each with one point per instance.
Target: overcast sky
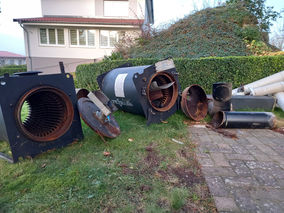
(165, 11)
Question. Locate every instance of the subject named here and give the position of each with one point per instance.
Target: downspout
(28, 45)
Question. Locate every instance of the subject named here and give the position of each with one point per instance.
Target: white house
(9, 58)
(78, 31)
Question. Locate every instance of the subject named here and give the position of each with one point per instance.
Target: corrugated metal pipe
(280, 99)
(268, 89)
(252, 120)
(264, 81)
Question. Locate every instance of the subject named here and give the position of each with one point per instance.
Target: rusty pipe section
(246, 120)
(194, 102)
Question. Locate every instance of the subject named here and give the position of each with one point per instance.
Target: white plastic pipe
(264, 81)
(235, 91)
(280, 99)
(267, 89)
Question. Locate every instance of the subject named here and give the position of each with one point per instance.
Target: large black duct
(52, 121)
(150, 90)
(222, 94)
(246, 120)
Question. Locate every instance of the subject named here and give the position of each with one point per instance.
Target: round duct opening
(218, 119)
(194, 102)
(162, 91)
(44, 113)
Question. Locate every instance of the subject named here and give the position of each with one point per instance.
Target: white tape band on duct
(99, 104)
(119, 85)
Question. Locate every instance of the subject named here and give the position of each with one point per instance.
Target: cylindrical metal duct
(264, 81)
(248, 102)
(222, 94)
(119, 87)
(82, 93)
(267, 89)
(150, 90)
(222, 91)
(254, 120)
(194, 102)
(280, 99)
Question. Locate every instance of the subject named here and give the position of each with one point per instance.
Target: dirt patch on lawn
(186, 176)
(152, 159)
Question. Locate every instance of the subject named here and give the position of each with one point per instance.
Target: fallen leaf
(43, 165)
(107, 153)
(164, 122)
(130, 139)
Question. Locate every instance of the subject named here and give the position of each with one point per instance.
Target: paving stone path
(244, 174)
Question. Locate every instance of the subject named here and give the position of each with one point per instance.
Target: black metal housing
(245, 102)
(53, 120)
(252, 120)
(128, 88)
(222, 94)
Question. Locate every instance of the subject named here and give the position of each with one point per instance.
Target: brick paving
(244, 174)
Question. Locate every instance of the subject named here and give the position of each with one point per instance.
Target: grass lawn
(145, 172)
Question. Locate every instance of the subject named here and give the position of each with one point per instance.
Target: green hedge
(205, 71)
(12, 69)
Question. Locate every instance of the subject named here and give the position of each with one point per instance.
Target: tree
(277, 38)
(265, 15)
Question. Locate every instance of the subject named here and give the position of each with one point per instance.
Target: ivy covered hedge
(204, 71)
(12, 69)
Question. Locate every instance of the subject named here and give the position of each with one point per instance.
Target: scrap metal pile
(152, 91)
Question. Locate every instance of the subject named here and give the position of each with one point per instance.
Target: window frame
(108, 39)
(78, 38)
(56, 36)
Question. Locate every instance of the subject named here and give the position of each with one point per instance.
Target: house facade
(78, 31)
(9, 58)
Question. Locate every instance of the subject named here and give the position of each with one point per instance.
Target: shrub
(12, 69)
(205, 71)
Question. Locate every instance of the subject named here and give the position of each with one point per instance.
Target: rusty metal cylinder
(194, 102)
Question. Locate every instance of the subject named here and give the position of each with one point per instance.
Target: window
(51, 36)
(82, 37)
(108, 38)
(11, 61)
(116, 8)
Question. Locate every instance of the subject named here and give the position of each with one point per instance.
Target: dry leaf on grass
(107, 153)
